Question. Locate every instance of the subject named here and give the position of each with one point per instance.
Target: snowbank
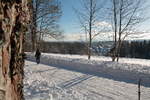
(127, 70)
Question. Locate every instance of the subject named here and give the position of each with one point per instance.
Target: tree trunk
(115, 31)
(34, 26)
(2, 82)
(13, 24)
(33, 34)
(90, 29)
(89, 47)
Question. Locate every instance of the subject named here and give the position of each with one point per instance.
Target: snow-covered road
(43, 82)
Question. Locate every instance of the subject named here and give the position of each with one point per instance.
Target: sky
(69, 22)
(69, 19)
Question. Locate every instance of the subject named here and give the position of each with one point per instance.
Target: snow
(144, 62)
(103, 58)
(73, 77)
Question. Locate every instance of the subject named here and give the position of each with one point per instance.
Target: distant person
(37, 56)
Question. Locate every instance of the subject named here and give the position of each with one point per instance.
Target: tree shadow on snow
(74, 81)
(103, 70)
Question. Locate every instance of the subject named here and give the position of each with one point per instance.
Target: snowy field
(66, 77)
(102, 58)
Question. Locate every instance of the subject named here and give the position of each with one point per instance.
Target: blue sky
(69, 21)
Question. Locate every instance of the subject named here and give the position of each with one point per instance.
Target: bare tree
(89, 17)
(14, 16)
(45, 16)
(126, 15)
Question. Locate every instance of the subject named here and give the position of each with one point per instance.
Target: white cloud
(83, 37)
(103, 36)
(69, 37)
(102, 24)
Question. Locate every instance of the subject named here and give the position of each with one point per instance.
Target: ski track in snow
(43, 82)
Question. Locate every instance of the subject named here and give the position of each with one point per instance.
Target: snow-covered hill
(73, 77)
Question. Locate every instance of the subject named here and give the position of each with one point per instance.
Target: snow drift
(125, 70)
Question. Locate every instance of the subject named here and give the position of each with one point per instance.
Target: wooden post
(139, 89)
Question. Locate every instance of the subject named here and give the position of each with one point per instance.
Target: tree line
(130, 49)
(136, 49)
(60, 47)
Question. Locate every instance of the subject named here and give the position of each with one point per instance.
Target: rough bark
(14, 17)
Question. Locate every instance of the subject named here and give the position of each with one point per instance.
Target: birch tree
(89, 16)
(126, 15)
(45, 15)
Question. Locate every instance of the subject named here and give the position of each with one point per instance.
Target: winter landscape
(74, 49)
(73, 77)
